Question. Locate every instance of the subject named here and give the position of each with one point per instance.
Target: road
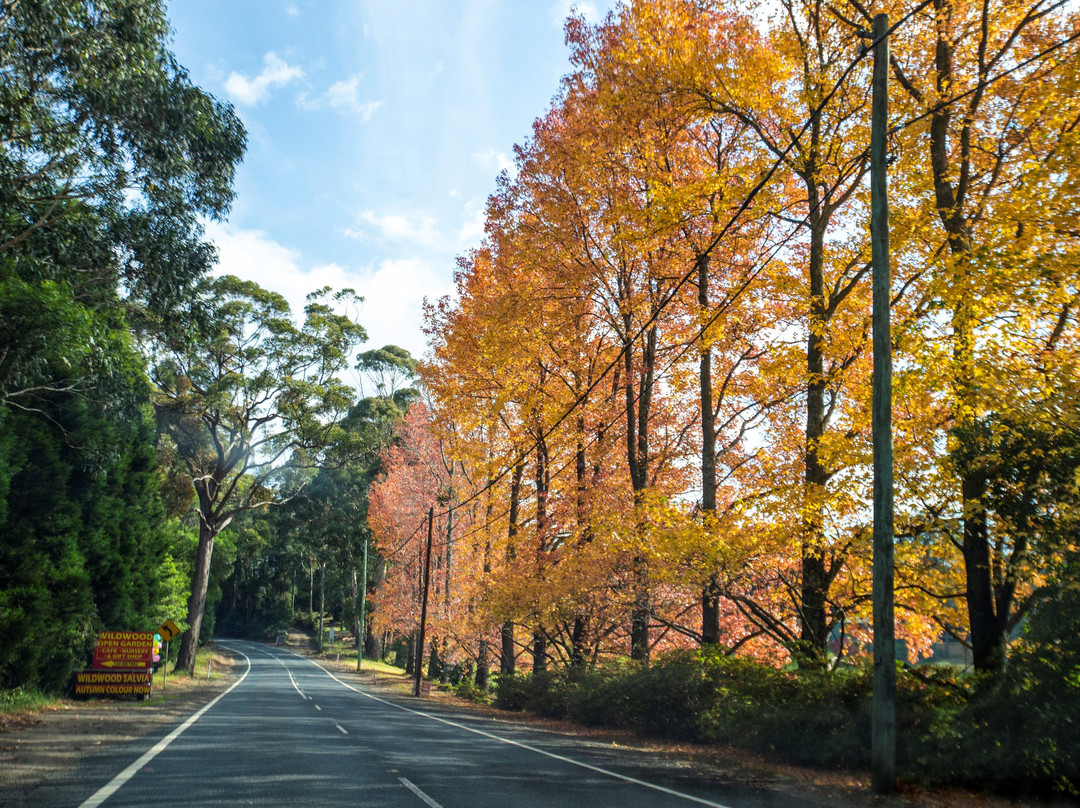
(291, 733)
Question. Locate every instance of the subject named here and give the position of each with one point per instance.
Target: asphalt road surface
(290, 733)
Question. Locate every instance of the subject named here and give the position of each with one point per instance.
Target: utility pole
(883, 752)
(363, 603)
(423, 605)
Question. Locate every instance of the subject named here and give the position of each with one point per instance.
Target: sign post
(124, 662)
(167, 630)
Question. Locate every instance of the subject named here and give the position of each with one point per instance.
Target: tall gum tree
(109, 158)
(255, 398)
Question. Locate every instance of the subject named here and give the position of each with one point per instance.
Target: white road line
(317, 707)
(110, 788)
(599, 770)
(341, 729)
(294, 684)
(430, 802)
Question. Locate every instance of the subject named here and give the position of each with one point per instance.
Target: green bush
(1019, 732)
(467, 689)
(21, 699)
(813, 717)
(546, 694)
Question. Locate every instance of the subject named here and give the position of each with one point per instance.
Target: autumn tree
(991, 93)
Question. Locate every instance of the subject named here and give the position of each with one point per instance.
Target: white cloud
(472, 228)
(251, 91)
(393, 290)
(394, 293)
(494, 161)
(292, 10)
(563, 8)
(344, 96)
(415, 227)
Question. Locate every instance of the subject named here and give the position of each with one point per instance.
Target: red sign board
(112, 683)
(117, 650)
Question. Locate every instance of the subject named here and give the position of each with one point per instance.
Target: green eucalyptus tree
(254, 399)
(109, 159)
(109, 155)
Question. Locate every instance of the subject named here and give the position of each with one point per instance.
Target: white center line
(286, 667)
(587, 766)
(430, 802)
(342, 729)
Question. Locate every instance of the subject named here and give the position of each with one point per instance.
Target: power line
(744, 205)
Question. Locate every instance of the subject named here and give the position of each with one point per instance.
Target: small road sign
(168, 630)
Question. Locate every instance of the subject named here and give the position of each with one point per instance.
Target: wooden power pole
(883, 753)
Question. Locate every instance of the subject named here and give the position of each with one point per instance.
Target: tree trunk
(988, 639)
(434, 668)
(444, 668)
(540, 657)
(200, 582)
(578, 634)
(710, 598)
(539, 637)
(507, 655)
(814, 593)
(322, 603)
(988, 634)
(483, 666)
(638, 407)
(449, 555)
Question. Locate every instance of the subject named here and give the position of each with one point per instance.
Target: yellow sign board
(168, 630)
(106, 683)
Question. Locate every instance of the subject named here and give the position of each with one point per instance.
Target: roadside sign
(112, 683)
(168, 630)
(124, 649)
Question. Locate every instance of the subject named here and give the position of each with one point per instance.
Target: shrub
(467, 689)
(1016, 732)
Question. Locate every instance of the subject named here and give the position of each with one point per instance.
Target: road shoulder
(724, 765)
(38, 748)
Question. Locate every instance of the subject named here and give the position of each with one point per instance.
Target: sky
(376, 130)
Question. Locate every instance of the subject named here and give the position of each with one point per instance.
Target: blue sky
(376, 130)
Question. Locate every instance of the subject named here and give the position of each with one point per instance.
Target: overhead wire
(683, 280)
(522, 455)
